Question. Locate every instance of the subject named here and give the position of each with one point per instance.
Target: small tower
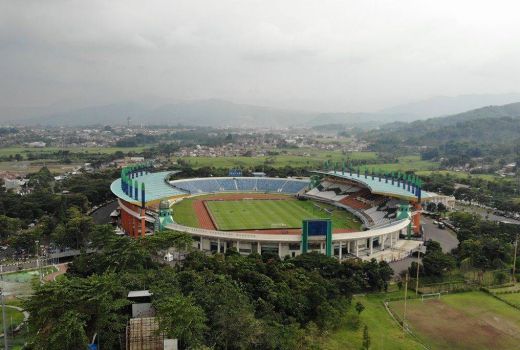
(165, 215)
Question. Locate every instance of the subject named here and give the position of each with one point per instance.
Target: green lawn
(460, 174)
(513, 298)
(384, 332)
(303, 157)
(406, 163)
(306, 158)
(273, 214)
(13, 317)
(472, 320)
(184, 214)
(7, 151)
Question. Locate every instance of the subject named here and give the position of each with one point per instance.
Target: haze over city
(331, 56)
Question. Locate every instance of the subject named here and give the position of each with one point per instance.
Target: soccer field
(472, 320)
(249, 214)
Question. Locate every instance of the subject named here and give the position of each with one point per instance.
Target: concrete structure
(142, 212)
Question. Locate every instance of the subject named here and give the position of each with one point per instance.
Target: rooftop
(378, 185)
(156, 188)
(139, 293)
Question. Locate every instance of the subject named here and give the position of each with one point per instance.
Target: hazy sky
(323, 55)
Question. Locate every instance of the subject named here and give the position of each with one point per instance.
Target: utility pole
(4, 317)
(405, 301)
(38, 261)
(513, 278)
(417, 277)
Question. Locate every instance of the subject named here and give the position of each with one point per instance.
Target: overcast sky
(322, 55)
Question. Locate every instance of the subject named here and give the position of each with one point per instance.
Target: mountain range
(220, 113)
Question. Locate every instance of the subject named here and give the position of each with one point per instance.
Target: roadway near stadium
(369, 215)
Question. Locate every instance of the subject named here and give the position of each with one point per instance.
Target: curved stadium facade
(388, 208)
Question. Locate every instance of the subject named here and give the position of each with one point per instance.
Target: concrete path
(62, 268)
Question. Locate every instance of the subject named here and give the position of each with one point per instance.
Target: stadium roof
(378, 185)
(156, 188)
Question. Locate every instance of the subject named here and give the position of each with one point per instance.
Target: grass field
(384, 332)
(13, 317)
(303, 157)
(472, 320)
(11, 151)
(272, 214)
(513, 298)
(461, 175)
(313, 160)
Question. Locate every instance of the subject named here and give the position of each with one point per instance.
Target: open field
(25, 166)
(23, 151)
(298, 158)
(472, 320)
(406, 163)
(384, 332)
(313, 161)
(460, 174)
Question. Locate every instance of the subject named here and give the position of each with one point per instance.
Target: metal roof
(139, 293)
(156, 188)
(378, 185)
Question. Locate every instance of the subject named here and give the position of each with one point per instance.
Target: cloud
(327, 55)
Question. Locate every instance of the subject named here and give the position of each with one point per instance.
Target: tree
(163, 240)
(437, 263)
(9, 226)
(75, 231)
(180, 318)
(69, 333)
(65, 313)
(366, 339)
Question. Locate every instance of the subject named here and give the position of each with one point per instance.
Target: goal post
(430, 296)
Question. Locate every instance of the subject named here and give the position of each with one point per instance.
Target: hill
(492, 124)
(449, 105)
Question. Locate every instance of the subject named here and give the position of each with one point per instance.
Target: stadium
(343, 213)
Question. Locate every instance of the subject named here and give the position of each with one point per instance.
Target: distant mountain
(443, 105)
(220, 113)
(215, 113)
(434, 107)
(486, 125)
(105, 114)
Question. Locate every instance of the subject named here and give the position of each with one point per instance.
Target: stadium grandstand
(372, 215)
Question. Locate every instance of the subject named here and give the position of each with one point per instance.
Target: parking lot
(446, 237)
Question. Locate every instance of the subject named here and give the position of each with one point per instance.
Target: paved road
(446, 238)
(102, 215)
(486, 214)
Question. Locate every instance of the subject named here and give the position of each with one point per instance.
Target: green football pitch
(249, 214)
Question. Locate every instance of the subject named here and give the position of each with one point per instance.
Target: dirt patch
(445, 327)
